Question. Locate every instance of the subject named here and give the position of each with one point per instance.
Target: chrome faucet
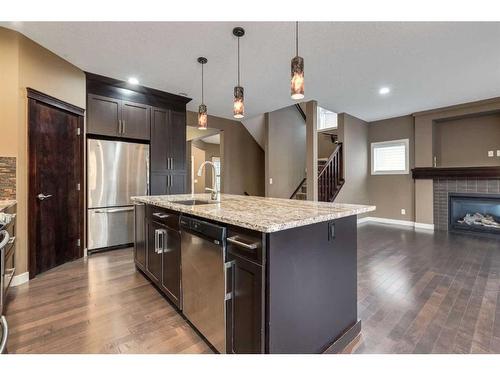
(214, 193)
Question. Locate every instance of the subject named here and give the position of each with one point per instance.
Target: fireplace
(478, 213)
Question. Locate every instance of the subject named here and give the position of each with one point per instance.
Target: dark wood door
(103, 115)
(244, 320)
(159, 139)
(171, 276)
(153, 255)
(178, 140)
(55, 178)
(140, 236)
(135, 120)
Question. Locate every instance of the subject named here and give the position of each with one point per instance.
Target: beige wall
(285, 151)
(325, 145)
(391, 193)
(353, 133)
(41, 70)
(465, 142)
(198, 157)
(210, 150)
(242, 159)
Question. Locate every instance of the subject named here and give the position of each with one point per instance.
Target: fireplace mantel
(430, 173)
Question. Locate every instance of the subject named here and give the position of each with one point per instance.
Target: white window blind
(390, 157)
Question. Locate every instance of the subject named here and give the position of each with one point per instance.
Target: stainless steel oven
(5, 279)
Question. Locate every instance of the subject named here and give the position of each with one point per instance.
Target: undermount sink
(193, 202)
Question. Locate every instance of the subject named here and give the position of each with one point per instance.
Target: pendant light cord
(296, 38)
(238, 61)
(202, 99)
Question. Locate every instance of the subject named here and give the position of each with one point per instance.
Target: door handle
(42, 196)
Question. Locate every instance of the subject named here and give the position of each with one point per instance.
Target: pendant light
(202, 109)
(297, 82)
(238, 101)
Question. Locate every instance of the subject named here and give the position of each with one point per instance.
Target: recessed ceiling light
(384, 90)
(133, 81)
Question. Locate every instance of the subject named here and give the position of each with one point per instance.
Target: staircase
(330, 178)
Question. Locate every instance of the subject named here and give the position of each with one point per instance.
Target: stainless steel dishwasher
(203, 278)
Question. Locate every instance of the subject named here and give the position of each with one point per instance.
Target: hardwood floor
(424, 292)
(97, 305)
(419, 292)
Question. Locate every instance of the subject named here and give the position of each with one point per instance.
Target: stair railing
(298, 188)
(331, 176)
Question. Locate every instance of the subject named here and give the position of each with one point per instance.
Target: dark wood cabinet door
(178, 140)
(103, 115)
(245, 314)
(177, 183)
(171, 276)
(140, 236)
(135, 120)
(159, 183)
(154, 257)
(160, 139)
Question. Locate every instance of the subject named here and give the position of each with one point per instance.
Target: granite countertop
(258, 213)
(6, 204)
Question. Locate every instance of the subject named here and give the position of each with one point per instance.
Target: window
(390, 157)
(327, 119)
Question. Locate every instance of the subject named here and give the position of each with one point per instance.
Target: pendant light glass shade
(297, 68)
(202, 117)
(238, 103)
(239, 97)
(202, 109)
(297, 83)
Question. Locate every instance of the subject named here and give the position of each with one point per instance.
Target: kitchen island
(252, 274)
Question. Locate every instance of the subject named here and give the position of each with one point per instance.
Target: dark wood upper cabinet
(135, 120)
(159, 139)
(178, 140)
(103, 115)
(118, 118)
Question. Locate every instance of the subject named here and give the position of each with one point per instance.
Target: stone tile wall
(7, 178)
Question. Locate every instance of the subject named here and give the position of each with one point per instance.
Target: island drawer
(163, 216)
(245, 243)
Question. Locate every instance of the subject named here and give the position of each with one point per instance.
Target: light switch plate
(491, 154)
(403, 211)
(498, 152)
(270, 181)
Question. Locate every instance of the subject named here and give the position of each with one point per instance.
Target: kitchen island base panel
(311, 286)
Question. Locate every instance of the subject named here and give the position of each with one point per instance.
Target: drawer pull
(235, 240)
(160, 215)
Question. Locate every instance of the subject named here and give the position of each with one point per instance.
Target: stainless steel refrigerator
(116, 171)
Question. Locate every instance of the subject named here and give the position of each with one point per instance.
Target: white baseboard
(405, 223)
(20, 279)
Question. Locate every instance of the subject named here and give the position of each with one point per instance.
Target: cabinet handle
(119, 126)
(235, 240)
(227, 266)
(160, 215)
(123, 126)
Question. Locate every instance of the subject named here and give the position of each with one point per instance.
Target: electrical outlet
(491, 154)
(270, 181)
(403, 211)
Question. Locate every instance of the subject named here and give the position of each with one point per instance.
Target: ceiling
(426, 65)
(213, 139)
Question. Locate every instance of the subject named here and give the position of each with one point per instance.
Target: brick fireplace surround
(443, 186)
